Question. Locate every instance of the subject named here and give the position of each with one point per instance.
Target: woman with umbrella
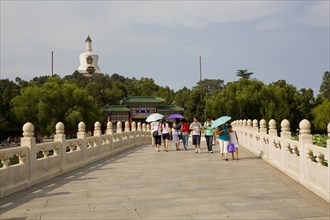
(222, 131)
(156, 128)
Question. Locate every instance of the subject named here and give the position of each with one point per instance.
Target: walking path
(143, 184)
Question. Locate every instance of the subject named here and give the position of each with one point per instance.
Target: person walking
(223, 133)
(208, 132)
(196, 128)
(176, 132)
(165, 134)
(156, 133)
(185, 133)
(233, 140)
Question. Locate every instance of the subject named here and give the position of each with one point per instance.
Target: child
(233, 140)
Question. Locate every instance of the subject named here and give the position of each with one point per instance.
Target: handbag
(155, 133)
(231, 148)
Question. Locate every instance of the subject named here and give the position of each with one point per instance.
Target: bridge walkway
(143, 184)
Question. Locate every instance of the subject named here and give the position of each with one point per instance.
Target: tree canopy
(45, 100)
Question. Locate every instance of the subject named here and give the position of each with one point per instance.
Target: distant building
(88, 60)
(138, 108)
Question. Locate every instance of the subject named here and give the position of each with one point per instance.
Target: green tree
(8, 123)
(167, 94)
(210, 86)
(181, 99)
(244, 74)
(240, 99)
(24, 106)
(57, 100)
(325, 86)
(39, 81)
(321, 115)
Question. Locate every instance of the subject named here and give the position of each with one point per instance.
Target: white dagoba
(88, 60)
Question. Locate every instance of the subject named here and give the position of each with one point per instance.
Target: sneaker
(199, 151)
(196, 151)
(211, 152)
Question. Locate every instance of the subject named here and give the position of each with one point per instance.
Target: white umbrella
(154, 117)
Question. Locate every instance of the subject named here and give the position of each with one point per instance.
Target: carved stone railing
(39, 162)
(301, 160)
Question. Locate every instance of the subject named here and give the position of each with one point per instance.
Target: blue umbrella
(174, 116)
(220, 121)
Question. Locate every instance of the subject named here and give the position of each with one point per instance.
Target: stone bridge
(120, 176)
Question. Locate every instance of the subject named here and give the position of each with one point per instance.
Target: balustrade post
(97, 134)
(133, 126)
(136, 138)
(263, 127)
(285, 129)
(255, 125)
(97, 129)
(285, 135)
(305, 137)
(139, 126)
(119, 127)
(28, 140)
(60, 137)
(81, 134)
(109, 128)
(110, 132)
(249, 132)
(126, 126)
(272, 128)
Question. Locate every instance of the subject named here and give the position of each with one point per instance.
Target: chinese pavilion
(138, 108)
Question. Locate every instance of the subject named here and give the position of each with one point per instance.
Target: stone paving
(143, 184)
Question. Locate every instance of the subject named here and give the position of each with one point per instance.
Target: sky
(163, 40)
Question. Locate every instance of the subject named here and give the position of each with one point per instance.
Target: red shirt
(184, 127)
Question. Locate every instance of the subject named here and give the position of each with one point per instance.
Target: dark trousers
(209, 142)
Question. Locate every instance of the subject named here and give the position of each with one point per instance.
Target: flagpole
(200, 77)
(52, 63)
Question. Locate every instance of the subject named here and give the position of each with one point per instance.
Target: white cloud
(317, 15)
(189, 14)
(269, 24)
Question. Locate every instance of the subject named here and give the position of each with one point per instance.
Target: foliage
(56, 100)
(240, 99)
(210, 86)
(321, 115)
(320, 140)
(46, 100)
(244, 74)
(8, 122)
(325, 86)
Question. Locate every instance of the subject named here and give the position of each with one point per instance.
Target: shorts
(196, 139)
(166, 136)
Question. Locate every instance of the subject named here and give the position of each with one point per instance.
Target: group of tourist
(179, 131)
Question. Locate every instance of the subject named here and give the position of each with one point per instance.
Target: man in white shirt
(196, 128)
